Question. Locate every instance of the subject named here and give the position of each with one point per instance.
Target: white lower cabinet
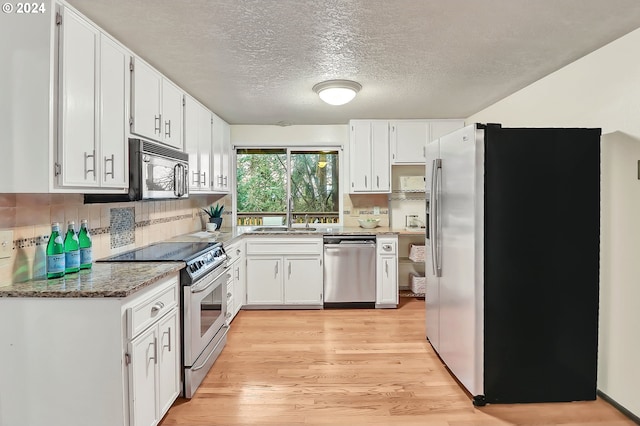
(284, 272)
(303, 280)
(387, 272)
(142, 379)
(236, 286)
(265, 280)
(168, 362)
(153, 354)
(103, 361)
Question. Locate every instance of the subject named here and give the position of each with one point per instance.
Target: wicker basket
(416, 252)
(418, 283)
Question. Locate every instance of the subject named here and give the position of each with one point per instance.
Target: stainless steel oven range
(203, 302)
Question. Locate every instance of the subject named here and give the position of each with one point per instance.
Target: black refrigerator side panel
(542, 233)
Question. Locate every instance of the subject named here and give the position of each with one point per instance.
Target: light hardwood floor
(350, 367)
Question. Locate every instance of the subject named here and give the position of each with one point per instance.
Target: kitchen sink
(281, 229)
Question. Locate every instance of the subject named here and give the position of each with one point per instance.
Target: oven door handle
(195, 289)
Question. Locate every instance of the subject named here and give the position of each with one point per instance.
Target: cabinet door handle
(87, 170)
(155, 351)
(204, 178)
(107, 160)
(157, 121)
(378, 181)
(276, 274)
(229, 295)
(386, 267)
(226, 181)
(238, 273)
(365, 181)
(167, 125)
(289, 269)
(168, 333)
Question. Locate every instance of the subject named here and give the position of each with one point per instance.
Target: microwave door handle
(181, 181)
(185, 181)
(176, 168)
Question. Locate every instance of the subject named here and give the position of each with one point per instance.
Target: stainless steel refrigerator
(512, 261)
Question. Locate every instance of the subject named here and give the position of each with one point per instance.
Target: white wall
(310, 135)
(601, 89)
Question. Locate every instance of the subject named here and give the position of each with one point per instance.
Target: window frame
(298, 148)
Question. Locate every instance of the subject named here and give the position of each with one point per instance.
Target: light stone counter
(228, 236)
(102, 280)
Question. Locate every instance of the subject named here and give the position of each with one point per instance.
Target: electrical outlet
(376, 210)
(6, 244)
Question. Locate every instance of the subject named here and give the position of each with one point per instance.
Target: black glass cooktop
(162, 252)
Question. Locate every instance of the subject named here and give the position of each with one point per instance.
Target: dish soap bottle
(55, 253)
(71, 249)
(86, 253)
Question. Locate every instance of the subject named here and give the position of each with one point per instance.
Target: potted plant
(215, 214)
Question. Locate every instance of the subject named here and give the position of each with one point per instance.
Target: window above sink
(287, 186)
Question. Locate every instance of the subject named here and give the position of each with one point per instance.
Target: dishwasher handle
(352, 245)
(342, 241)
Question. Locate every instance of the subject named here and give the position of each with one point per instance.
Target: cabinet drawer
(386, 246)
(152, 307)
(234, 251)
(285, 246)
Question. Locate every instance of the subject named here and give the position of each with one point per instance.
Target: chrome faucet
(306, 220)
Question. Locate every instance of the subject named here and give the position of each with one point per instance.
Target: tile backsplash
(114, 227)
(362, 206)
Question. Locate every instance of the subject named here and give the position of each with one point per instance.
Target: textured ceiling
(255, 61)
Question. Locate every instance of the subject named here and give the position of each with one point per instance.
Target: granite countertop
(121, 279)
(102, 280)
(228, 236)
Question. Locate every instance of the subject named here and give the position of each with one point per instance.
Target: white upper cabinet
(77, 136)
(197, 143)
(409, 137)
(221, 155)
(114, 111)
(157, 106)
(370, 166)
(147, 85)
(93, 97)
(172, 103)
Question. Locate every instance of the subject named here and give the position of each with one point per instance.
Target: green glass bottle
(71, 249)
(55, 253)
(86, 253)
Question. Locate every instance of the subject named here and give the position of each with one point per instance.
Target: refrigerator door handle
(435, 213)
(432, 211)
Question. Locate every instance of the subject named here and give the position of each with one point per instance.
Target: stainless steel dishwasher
(350, 271)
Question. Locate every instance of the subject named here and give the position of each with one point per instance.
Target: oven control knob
(209, 258)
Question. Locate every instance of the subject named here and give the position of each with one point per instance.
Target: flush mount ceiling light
(337, 92)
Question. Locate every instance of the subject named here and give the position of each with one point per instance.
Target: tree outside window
(266, 178)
